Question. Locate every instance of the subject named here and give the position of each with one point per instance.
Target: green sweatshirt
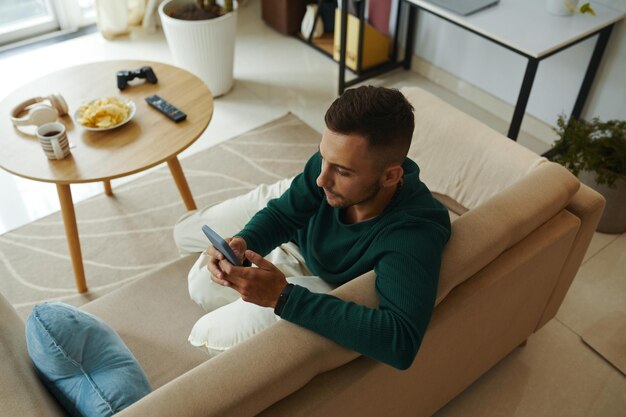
(402, 245)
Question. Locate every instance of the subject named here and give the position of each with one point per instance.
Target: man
(358, 205)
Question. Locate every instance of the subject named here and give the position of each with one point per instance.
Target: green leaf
(586, 8)
(593, 145)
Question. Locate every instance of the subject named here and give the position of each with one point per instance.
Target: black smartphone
(221, 245)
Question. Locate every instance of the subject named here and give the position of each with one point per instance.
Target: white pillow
(233, 323)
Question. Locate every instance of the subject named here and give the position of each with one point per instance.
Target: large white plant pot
(203, 47)
(562, 7)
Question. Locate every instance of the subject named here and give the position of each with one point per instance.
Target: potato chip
(104, 112)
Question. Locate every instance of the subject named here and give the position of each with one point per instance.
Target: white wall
(500, 72)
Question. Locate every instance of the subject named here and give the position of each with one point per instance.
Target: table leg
(396, 35)
(522, 99)
(592, 69)
(359, 62)
(181, 183)
(410, 35)
(107, 187)
(71, 232)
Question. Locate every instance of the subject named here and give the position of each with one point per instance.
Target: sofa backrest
(460, 157)
(21, 392)
(502, 190)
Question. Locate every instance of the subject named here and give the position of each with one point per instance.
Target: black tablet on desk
(464, 7)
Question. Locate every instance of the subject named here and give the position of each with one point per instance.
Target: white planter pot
(203, 47)
(561, 7)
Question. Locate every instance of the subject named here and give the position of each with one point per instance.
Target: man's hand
(237, 244)
(261, 286)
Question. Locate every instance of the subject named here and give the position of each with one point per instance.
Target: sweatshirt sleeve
(283, 216)
(406, 284)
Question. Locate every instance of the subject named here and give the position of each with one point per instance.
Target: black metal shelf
(361, 74)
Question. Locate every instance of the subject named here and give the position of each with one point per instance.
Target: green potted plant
(201, 36)
(595, 151)
(201, 9)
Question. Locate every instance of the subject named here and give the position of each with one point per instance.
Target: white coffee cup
(53, 140)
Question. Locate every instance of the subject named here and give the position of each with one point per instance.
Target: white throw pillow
(233, 323)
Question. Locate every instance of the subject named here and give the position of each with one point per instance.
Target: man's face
(350, 174)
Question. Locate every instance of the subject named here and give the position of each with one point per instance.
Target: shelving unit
(325, 45)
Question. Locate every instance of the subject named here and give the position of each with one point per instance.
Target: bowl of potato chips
(105, 113)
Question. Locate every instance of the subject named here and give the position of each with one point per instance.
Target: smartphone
(221, 245)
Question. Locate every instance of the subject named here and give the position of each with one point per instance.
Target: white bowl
(130, 103)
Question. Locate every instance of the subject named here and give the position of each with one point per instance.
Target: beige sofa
(521, 226)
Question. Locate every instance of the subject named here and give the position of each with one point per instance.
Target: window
(22, 19)
(87, 11)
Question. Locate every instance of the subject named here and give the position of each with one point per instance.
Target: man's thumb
(257, 259)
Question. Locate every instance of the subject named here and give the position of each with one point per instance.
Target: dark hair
(383, 116)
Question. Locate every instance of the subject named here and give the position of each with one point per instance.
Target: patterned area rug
(129, 235)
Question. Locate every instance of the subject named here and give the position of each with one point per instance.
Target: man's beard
(341, 202)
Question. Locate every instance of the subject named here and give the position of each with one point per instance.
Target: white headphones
(39, 114)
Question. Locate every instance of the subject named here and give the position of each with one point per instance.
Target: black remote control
(166, 108)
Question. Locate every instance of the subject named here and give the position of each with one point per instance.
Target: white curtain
(116, 17)
(392, 17)
(68, 14)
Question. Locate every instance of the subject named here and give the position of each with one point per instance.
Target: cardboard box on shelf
(375, 44)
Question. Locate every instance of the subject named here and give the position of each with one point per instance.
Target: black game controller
(123, 77)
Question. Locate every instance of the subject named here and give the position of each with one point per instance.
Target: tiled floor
(556, 374)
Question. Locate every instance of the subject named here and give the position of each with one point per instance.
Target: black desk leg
(342, 47)
(410, 35)
(522, 99)
(592, 69)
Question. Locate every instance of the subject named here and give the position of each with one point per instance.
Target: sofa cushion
(263, 369)
(21, 391)
(83, 361)
(459, 156)
(153, 315)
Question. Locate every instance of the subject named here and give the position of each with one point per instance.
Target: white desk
(525, 27)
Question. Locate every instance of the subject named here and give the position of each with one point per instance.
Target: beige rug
(130, 234)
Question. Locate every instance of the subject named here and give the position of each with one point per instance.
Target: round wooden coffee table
(149, 139)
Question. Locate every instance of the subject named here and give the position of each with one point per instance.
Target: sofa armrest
(481, 234)
(255, 374)
(588, 206)
(21, 391)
